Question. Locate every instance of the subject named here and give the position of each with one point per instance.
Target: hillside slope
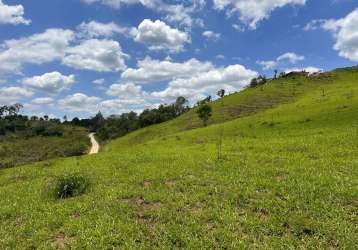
(245, 103)
(287, 179)
(18, 149)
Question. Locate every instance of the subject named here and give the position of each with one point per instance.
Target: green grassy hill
(18, 149)
(245, 103)
(287, 179)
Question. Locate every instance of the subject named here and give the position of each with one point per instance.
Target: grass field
(15, 150)
(288, 179)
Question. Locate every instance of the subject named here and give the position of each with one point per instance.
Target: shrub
(204, 112)
(2, 129)
(261, 80)
(54, 130)
(70, 186)
(38, 129)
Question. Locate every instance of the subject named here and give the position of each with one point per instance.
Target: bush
(71, 186)
(204, 112)
(53, 131)
(2, 129)
(38, 129)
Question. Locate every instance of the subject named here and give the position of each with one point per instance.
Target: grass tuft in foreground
(69, 186)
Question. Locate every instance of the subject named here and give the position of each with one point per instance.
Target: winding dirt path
(95, 145)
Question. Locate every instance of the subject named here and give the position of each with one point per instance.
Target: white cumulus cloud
(35, 49)
(94, 29)
(96, 55)
(10, 95)
(101, 55)
(230, 78)
(289, 57)
(181, 13)
(211, 35)
(151, 70)
(160, 36)
(99, 81)
(345, 32)
(267, 65)
(119, 105)
(53, 82)
(126, 90)
(12, 14)
(80, 102)
(42, 101)
(251, 12)
(113, 3)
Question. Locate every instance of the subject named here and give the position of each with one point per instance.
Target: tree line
(119, 125)
(11, 122)
(114, 125)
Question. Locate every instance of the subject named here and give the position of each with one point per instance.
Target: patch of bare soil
(200, 141)
(62, 241)
(197, 207)
(170, 183)
(147, 183)
(141, 203)
(76, 215)
(282, 176)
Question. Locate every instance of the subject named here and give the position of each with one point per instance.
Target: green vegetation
(116, 126)
(261, 80)
(15, 151)
(70, 186)
(204, 112)
(287, 178)
(24, 140)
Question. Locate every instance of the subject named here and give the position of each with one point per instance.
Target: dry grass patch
(147, 183)
(62, 241)
(170, 183)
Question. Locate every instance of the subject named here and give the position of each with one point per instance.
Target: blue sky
(76, 57)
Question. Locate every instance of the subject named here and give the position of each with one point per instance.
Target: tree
(276, 72)
(221, 93)
(180, 105)
(260, 80)
(97, 121)
(204, 101)
(15, 109)
(76, 121)
(11, 110)
(129, 121)
(180, 101)
(120, 125)
(204, 112)
(254, 83)
(3, 109)
(149, 117)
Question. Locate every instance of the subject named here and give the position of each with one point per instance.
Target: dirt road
(95, 145)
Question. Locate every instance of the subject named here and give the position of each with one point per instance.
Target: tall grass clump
(70, 186)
